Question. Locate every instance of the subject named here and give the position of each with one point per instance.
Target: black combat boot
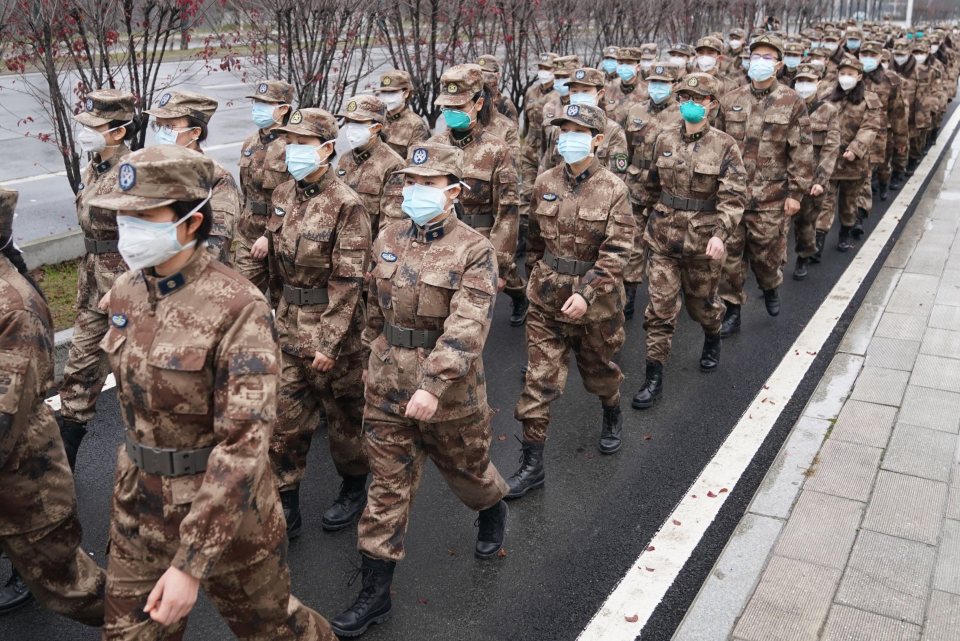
(845, 243)
(771, 298)
(72, 433)
(884, 190)
(731, 321)
(652, 387)
(800, 271)
(896, 180)
(912, 165)
(629, 308)
(372, 605)
(857, 231)
(530, 475)
(821, 239)
(290, 501)
(710, 356)
(874, 183)
(492, 524)
(348, 505)
(521, 305)
(611, 433)
(14, 594)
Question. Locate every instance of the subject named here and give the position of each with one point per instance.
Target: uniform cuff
(588, 292)
(436, 386)
(196, 563)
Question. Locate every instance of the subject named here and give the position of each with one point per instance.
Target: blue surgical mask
(423, 203)
(302, 160)
(791, 62)
(574, 146)
(692, 112)
(761, 69)
(583, 99)
(456, 119)
(262, 115)
(853, 44)
(165, 136)
(609, 65)
(626, 72)
(869, 64)
(560, 85)
(659, 91)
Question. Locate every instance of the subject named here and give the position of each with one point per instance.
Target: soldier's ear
(598, 140)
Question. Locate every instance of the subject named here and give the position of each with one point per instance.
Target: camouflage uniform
(369, 169)
(196, 361)
(609, 53)
(930, 95)
(86, 367)
(773, 130)
(225, 197)
(898, 130)
(533, 103)
(321, 235)
(502, 103)
(403, 127)
(39, 526)
(714, 46)
(621, 96)
(535, 142)
(918, 116)
(581, 234)
(263, 168)
(731, 58)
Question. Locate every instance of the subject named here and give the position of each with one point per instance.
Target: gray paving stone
(821, 530)
(907, 507)
(948, 294)
(883, 286)
(790, 603)
(936, 372)
(881, 385)
(903, 326)
(943, 617)
(915, 294)
(844, 469)
(946, 574)
(920, 451)
(858, 336)
(780, 486)
(953, 503)
(945, 317)
(941, 342)
(933, 408)
(888, 576)
(726, 591)
(892, 353)
(928, 260)
(834, 388)
(849, 624)
(866, 423)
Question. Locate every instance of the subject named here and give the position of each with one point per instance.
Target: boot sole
(327, 527)
(730, 334)
(487, 557)
(644, 406)
(19, 604)
(609, 452)
(356, 633)
(514, 323)
(804, 277)
(509, 496)
(707, 370)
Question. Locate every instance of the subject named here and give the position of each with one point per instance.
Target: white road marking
(630, 605)
(229, 85)
(54, 401)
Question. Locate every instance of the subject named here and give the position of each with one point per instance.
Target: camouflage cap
(736, 33)
(545, 59)
(793, 49)
(567, 64)
(700, 84)
(489, 63)
(683, 49)
(768, 40)
(853, 32)
(610, 52)
(664, 71)
(920, 46)
(395, 80)
(649, 50)
(902, 46)
(850, 62)
(434, 159)
(273, 91)
(831, 34)
(176, 104)
(820, 52)
(807, 70)
(871, 47)
(106, 105)
(458, 85)
(319, 123)
(157, 176)
(8, 205)
(588, 76)
(585, 115)
(364, 107)
(633, 54)
(710, 42)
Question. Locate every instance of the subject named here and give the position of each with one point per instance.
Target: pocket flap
(592, 214)
(183, 358)
(777, 118)
(112, 340)
(441, 278)
(384, 269)
(735, 116)
(13, 370)
(703, 167)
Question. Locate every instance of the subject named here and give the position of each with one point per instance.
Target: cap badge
(659, 69)
(420, 156)
(573, 110)
(452, 87)
(386, 82)
(693, 82)
(737, 108)
(88, 104)
(352, 106)
(164, 99)
(127, 176)
(581, 74)
(262, 88)
(296, 118)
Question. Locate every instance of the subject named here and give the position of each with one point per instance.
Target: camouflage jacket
(36, 479)
(619, 99)
(825, 129)
(490, 173)
(369, 172)
(533, 102)
(506, 107)
(612, 152)
(587, 218)
(529, 161)
(860, 122)
(441, 278)
(644, 123)
(320, 235)
(772, 129)
(196, 362)
(404, 129)
(263, 167)
(506, 130)
(97, 272)
(918, 116)
(892, 113)
(703, 166)
(225, 202)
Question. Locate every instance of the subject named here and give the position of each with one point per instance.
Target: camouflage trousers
(918, 143)
(549, 342)
(256, 271)
(842, 197)
(86, 368)
(865, 197)
(760, 240)
(637, 259)
(58, 572)
(304, 393)
(396, 448)
(515, 283)
(805, 224)
(698, 278)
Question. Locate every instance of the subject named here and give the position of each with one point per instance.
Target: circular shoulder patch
(164, 99)
(693, 82)
(659, 69)
(352, 106)
(386, 82)
(127, 176)
(420, 156)
(88, 104)
(573, 110)
(296, 118)
(581, 74)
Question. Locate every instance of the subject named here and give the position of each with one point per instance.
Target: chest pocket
(775, 128)
(666, 168)
(480, 190)
(180, 380)
(706, 177)
(313, 249)
(819, 132)
(370, 185)
(436, 288)
(547, 213)
(736, 124)
(13, 373)
(591, 226)
(383, 274)
(111, 343)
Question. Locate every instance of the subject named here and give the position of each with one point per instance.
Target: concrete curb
(54, 249)
(61, 350)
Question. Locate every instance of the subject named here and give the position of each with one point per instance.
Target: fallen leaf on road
(649, 569)
(711, 495)
(647, 437)
(723, 489)
(650, 548)
(633, 618)
(502, 437)
(422, 601)
(502, 553)
(676, 522)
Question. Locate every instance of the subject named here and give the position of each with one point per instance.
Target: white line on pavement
(630, 605)
(229, 85)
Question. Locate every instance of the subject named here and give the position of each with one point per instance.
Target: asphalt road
(568, 545)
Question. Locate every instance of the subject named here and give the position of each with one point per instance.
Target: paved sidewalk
(855, 532)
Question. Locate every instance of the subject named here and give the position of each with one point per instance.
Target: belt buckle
(182, 464)
(158, 459)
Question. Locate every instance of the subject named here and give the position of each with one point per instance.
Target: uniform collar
(628, 89)
(163, 286)
(102, 167)
(763, 93)
(397, 116)
(582, 176)
(309, 190)
(654, 108)
(433, 231)
(361, 155)
(269, 138)
(473, 134)
(688, 138)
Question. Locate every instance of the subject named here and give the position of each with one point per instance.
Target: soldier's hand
(172, 597)
(716, 249)
(104, 303)
(501, 283)
(575, 307)
(322, 362)
(791, 207)
(422, 406)
(816, 190)
(849, 156)
(259, 249)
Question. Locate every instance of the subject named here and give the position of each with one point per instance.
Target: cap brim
(448, 100)
(260, 98)
(654, 77)
(424, 171)
(118, 201)
(559, 120)
(163, 112)
(807, 75)
(584, 83)
(87, 119)
(296, 131)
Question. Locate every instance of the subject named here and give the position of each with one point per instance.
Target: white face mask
(92, 141)
(831, 46)
(145, 244)
(706, 63)
(847, 82)
(357, 134)
(934, 48)
(921, 57)
(901, 60)
(818, 63)
(680, 61)
(805, 89)
(545, 77)
(736, 44)
(646, 64)
(392, 100)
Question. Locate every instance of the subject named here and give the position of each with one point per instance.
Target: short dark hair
(132, 125)
(486, 112)
(183, 207)
(202, 126)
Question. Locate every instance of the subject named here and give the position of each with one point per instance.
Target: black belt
(305, 296)
(410, 338)
(94, 246)
(478, 221)
(570, 266)
(258, 209)
(688, 204)
(166, 461)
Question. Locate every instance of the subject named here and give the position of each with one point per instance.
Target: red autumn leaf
(676, 522)
(422, 601)
(711, 495)
(694, 496)
(650, 548)
(633, 618)
(647, 437)
(502, 437)
(723, 489)
(649, 569)
(502, 553)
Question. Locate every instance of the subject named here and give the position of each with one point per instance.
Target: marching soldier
(629, 90)
(491, 78)
(709, 52)
(403, 127)
(608, 64)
